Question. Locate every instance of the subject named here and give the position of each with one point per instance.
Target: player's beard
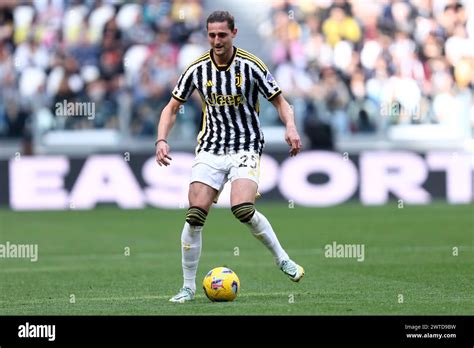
(223, 53)
(220, 52)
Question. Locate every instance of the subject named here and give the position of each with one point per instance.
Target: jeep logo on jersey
(221, 100)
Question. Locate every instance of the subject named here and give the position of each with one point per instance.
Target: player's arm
(167, 120)
(287, 117)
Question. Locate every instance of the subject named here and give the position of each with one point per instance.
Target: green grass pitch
(409, 266)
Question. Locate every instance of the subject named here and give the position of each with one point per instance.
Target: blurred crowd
(124, 57)
(347, 67)
(363, 66)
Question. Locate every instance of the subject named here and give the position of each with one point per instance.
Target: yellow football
(221, 284)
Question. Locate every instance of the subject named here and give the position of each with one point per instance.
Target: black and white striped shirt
(229, 93)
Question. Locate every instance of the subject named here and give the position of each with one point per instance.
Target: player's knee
(244, 211)
(196, 216)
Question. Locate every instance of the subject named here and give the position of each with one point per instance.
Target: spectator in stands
(140, 32)
(31, 54)
(340, 26)
(15, 117)
(335, 96)
(362, 110)
(318, 132)
(6, 25)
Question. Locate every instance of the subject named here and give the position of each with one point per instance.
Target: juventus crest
(238, 80)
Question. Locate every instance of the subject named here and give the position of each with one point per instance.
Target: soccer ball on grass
(221, 284)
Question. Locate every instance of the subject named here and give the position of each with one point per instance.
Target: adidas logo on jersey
(209, 83)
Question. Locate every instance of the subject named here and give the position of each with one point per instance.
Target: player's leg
(200, 199)
(242, 200)
(243, 192)
(207, 178)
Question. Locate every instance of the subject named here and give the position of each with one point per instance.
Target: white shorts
(216, 170)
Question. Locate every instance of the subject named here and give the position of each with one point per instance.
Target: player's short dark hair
(221, 16)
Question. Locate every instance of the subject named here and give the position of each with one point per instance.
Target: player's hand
(162, 151)
(292, 138)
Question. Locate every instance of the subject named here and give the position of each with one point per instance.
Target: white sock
(263, 231)
(190, 252)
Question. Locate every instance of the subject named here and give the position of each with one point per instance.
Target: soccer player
(230, 142)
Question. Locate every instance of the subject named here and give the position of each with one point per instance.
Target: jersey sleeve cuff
(178, 98)
(274, 95)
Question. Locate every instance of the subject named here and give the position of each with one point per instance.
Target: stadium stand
(359, 69)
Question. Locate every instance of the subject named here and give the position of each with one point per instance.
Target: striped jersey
(230, 108)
